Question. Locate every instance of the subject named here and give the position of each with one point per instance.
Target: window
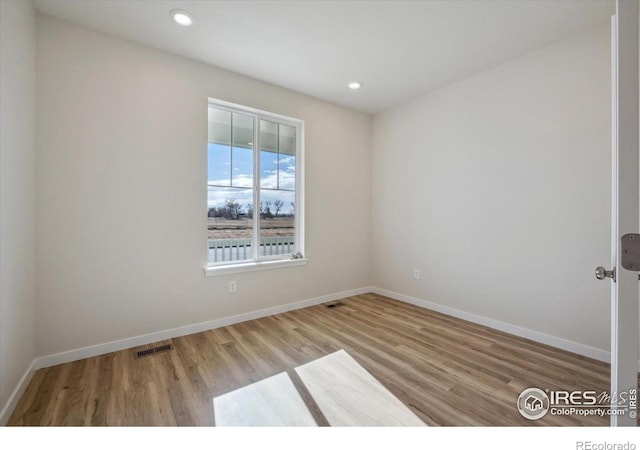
(254, 189)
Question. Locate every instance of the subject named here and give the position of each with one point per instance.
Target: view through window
(251, 194)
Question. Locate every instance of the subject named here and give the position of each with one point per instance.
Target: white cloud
(269, 180)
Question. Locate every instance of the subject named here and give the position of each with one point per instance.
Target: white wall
(121, 191)
(498, 189)
(17, 195)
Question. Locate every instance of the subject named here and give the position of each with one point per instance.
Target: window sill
(214, 271)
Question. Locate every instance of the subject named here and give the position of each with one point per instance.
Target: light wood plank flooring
(447, 371)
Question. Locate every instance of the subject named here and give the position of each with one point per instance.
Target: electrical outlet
(416, 274)
(233, 286)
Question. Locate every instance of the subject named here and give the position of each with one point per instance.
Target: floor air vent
(334, 305)
(153, 351)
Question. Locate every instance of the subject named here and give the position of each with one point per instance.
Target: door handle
(602, 273)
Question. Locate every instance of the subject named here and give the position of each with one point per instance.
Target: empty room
(319, 213)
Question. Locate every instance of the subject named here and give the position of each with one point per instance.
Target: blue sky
(229, 167)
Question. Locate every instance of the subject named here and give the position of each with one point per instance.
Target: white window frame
(265, 262)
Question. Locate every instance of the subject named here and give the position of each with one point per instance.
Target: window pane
(287, 140)
(242, 167)
(230, 224)
(277, 222)
(219, 127)
(242, 131)
(242, 153)
(219, 148)
(219, 165)
(286, 157)
(268, 154)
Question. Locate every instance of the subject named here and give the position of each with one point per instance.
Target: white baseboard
(564, 344)
(122, 344)
(12, 402)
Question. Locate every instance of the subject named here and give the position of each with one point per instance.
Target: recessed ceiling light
(355, 85)
(182, 17)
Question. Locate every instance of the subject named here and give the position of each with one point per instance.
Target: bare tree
(233, 209)
(278, 204)
(265, 210)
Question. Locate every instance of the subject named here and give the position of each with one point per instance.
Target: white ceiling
(397, 49)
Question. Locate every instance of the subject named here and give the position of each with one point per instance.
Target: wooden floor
(447, 371)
